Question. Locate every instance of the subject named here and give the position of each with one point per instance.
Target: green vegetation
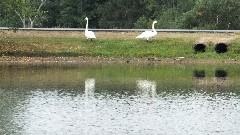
(113, 45)
(186, 14)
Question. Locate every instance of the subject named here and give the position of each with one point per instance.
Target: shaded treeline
(187, 14)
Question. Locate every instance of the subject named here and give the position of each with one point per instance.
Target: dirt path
(106, 61)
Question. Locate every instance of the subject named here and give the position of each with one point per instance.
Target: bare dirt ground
(109, 61)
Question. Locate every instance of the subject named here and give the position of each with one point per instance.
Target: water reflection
(89, 87)
(199, 76)
(221, 78)
(147, 88)
(53, 100)
(220, 73)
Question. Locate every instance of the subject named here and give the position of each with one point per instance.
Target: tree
(7, 17)
(209, 14)
(52, 13)
(143, 23)
(191, 14)
(36, 11)
(28, 11)
(2, 11)
(72, 13)
(120, 13)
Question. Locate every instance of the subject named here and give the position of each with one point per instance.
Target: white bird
(89, 34)
(148, 34)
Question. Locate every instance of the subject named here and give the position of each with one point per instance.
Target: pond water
(120, 99)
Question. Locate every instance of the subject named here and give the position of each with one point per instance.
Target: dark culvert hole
(199, 73)
(221, 48)
(200, 47)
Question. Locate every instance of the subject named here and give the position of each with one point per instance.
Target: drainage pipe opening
(221, 48)
(199, 47)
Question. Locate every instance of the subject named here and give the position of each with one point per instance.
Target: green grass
(65, 46)
(136, 48)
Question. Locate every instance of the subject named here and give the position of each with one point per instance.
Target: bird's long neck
(87, 25)
(153, 29)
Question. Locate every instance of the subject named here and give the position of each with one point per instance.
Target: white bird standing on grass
(148, 34)
(89, 34)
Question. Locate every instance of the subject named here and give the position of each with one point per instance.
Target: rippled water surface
(119, 99)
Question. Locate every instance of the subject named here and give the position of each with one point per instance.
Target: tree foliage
(119, 13)
(187, 14)
(27, 12)
(208, 14)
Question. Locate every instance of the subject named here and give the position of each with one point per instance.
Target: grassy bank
(115, 45)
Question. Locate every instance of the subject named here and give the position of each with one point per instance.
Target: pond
(119, 99)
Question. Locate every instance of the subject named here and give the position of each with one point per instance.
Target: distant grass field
(115, 44)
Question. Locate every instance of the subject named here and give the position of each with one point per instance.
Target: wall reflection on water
(119, 100)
